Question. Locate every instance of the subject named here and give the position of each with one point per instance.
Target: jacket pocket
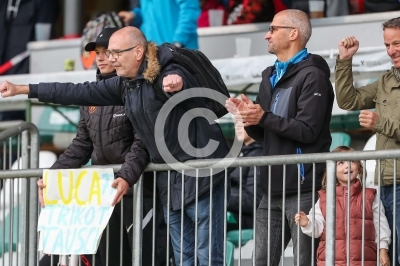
(381, 101)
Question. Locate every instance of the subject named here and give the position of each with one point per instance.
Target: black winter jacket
(296, 120)
(142, 108)
(253, 149)
(106, 136)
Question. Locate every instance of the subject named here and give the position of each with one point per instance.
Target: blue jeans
(387, 201)
(203, 221)
(290, 230)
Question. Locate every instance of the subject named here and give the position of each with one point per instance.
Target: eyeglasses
(274, 28)
(115, 53)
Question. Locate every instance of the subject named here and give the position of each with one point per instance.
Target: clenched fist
(8, 89)
(348, 47)
(368, 119)
(172, 83)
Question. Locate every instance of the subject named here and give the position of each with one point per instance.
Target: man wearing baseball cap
(106, 136)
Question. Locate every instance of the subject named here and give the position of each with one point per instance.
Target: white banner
(241, 71)
(77, 209)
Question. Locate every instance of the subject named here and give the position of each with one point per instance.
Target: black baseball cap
(101, 40)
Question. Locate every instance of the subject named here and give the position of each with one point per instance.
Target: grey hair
(393, 23)
(300, 21)
(137, 37)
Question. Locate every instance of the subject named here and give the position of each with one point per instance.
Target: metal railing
(328, 158)
(19, 140)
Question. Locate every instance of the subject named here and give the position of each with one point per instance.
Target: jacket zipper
(145, 120)
(101, 142)
(301, 166)
(276, 102)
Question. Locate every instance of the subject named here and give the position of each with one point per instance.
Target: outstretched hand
(122, 187)
(348, 47)
(8, 89)
(301, 218)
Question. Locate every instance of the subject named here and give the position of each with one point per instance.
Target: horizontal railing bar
(17, 129)
(235, 162)
(8, 124)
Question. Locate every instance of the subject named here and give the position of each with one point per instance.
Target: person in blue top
(291, 115)
(173, 21)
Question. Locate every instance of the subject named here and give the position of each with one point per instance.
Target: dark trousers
(387, 197)
(276, 234)
(113, 245)
(85, 260)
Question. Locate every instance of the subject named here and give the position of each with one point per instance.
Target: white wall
(219, 42)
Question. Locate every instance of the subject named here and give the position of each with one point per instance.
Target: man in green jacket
(383, 95)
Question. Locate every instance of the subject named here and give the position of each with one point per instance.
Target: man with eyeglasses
(106, 136)
(383, 96)
(138, 64)
(291, 115)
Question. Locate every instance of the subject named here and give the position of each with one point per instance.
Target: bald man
(139, 64)
(291, 115)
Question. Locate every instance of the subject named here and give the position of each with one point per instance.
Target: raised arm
(104, 92)
(8, 89)
(348, 97)
(348, 47)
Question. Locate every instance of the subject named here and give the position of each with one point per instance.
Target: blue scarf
(281, 67)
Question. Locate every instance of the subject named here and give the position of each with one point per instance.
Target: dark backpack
(92, 30)
(206, 75)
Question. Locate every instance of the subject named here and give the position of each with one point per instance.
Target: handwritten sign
(77, 209)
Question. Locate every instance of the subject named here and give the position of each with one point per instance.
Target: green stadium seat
(340, 139)
(230, 219)
(230, 251)
(233, 236)
(51, 122)
(6, 235)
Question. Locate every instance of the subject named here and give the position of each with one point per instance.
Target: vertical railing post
(33, 195)
(137, 222)
(24, 209)
(330, 211)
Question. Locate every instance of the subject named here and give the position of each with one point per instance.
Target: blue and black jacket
(296, 120)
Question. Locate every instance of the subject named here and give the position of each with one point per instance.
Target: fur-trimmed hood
(155, 58)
